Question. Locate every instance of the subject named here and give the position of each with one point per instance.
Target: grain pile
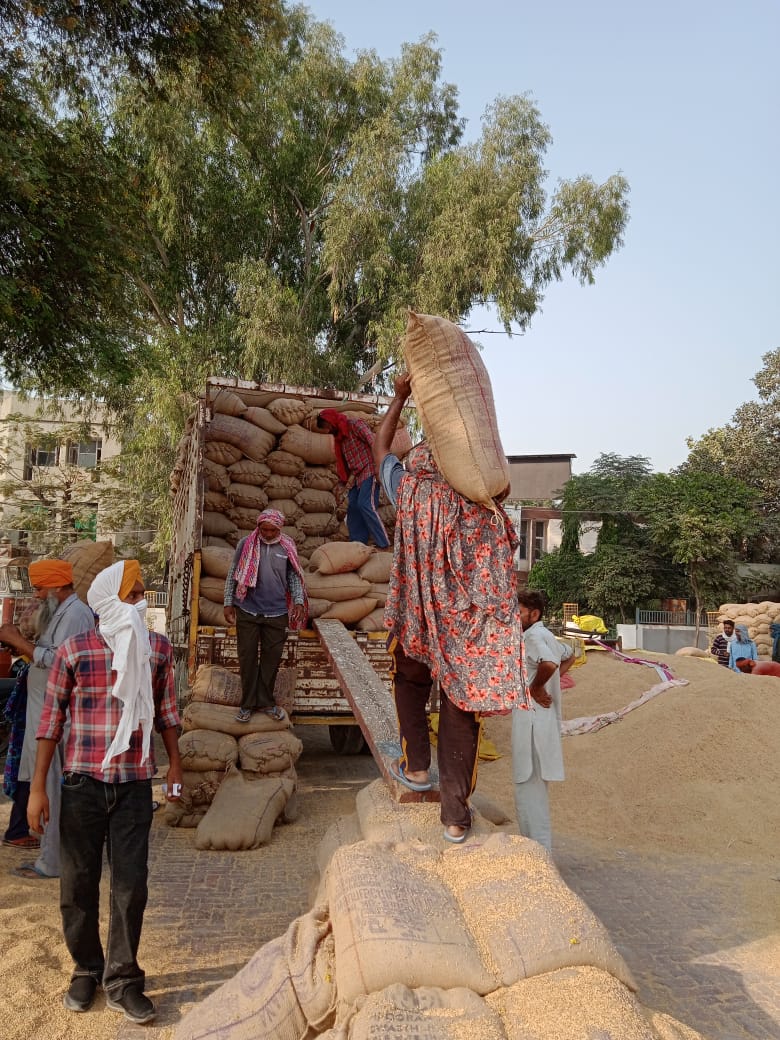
(757, 617)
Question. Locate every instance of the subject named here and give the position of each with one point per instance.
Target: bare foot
(419, 776)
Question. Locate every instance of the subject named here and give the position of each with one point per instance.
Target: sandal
(398, 772)
(274, 713)
(456, 840)
(30, 872)
(243, 715)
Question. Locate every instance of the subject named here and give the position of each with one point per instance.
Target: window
(35, 456)
(522, 533)
(86, 455)
(539, 536)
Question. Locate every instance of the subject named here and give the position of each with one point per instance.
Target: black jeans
(17, 824)
(119, 817)
(258, 678)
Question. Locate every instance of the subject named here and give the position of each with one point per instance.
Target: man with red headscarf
(63, 615)
(353, 444)
(264, 594)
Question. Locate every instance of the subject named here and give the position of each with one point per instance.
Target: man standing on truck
(353, 444)
(264, 593)
(63, 615)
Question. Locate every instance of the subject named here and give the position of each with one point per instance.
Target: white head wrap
(122, 627)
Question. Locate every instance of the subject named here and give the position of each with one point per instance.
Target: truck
(314, 695)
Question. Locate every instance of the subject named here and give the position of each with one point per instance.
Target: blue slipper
(398, 773)
(456, 841)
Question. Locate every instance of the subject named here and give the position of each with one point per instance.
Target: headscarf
(741, 634)
(50, 574)
(127, 637)
(248, 567)
(452, 598)
(340, 423)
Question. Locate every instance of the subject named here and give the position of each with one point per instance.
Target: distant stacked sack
(238, 777)
(757, 617)
(348, 581)
(88, 559)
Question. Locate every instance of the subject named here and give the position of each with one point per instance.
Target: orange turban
(132, 574)
(50, 574)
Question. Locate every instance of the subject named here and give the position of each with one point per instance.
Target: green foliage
(562, 576)
(620, 578)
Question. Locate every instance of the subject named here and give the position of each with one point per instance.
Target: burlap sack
(235, 536)
(317, 524)
(312, 542)
(351, 610)
(278, 486)
(244, 519)
(269, 752)
(317, 607)
(222, 453)
(691, 651)
(216, 685)
(341, 557)
(380, 590)
(377, 567)
(319, 479)
(289, 509)
(294, 533)
(247, 496)
(264, 419)
(426, 1013)
(245, 471)
(213, 589)
(215, 501)
(335, 587)
(373, 622)
(227, 403)
(454, 399)
(313, 501)
(210, 613)
(221, 717)
(253, 442)
(309, 948)
(217, 524)
(401, 443)
(176, 815)
(258, 1003)
(289, 410)
(205, 749)
(345, 831)
(314, 448)
(212, 541)
(87, 559)
(198, 787)
(216, 562)
(285, 464)
(243, 813)
(217, 478)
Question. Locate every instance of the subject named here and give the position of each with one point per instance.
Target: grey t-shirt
(390, 474)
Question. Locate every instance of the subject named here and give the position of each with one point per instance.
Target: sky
(680, 97)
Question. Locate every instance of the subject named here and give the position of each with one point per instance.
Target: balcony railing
(157, 599)
(671, 617)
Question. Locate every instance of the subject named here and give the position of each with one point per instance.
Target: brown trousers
(458, 738)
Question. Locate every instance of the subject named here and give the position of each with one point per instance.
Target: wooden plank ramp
(372, 706)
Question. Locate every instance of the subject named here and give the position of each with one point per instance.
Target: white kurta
(539, 729)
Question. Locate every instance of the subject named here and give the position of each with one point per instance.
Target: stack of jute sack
(409, 939)
(88, 559)
(758, 617)
(271, 455)
(239, 778)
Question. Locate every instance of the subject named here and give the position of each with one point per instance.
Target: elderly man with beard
(62, 615)
(116, 684)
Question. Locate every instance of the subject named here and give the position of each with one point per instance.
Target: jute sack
(211, 541)
(199, 786)
(216, 562)
(176, 815)
(227, 403)
(244, 519)
(388, 822)
(351, 610)
(235, 536)
(345, 831)
(314, 448)
(522, 915)
(216, 476)
(401, 443)
(211, 613)
(216, 523)
(203, 749)
(571, 1002)
(319, 479)
(264, 419)
(247, 496)
(454, 398)
(215, 501)
(222, 453)
(289, 509)
(312, 542)
(340, 557)
(373, 622)
(213, 589)
(278, 486)
(258, 1003)
(216, 685)
(269, 752)
(310, 952)
(380, 591)
(312, 501)
(317, 607)
(285, 464)
(245, 471)
(243, 813)
(424, 940)
(202, 715)
(377, 567)
(288, 410)
(335, 587)
(87, 559)
(691, 651)
(250, 439)
(428, 1014)
(317, 524)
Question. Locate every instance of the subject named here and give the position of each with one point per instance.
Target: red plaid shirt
(356, 449)
(80, 683)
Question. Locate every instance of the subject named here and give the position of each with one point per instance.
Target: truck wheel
(346, 740)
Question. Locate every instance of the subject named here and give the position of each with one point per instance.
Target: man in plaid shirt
(115, 683)
(353, 446)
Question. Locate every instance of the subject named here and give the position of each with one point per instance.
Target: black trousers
(17, 823)
(258, 677)
(118, 817)
(458, 738)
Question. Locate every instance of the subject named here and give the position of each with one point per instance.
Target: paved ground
(700, 938)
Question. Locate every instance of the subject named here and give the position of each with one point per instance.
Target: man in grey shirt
(64, 616)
